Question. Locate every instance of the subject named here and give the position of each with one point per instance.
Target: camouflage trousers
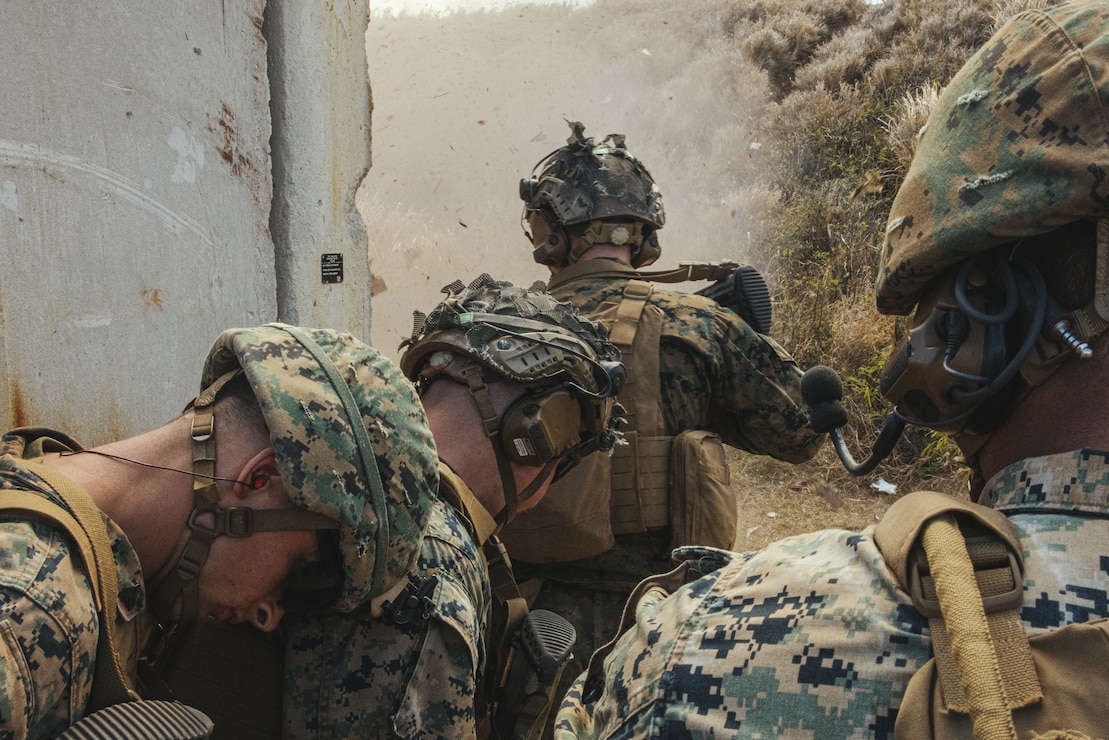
(591, 594)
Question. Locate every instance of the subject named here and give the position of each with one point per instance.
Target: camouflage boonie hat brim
(315, 442)
(1017, 145)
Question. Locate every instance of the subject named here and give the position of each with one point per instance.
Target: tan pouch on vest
(1071, 665)
(1050, 687)
(702, 502)
(571, 522)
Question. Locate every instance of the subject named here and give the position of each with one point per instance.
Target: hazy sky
(466, 103)
(442, 7)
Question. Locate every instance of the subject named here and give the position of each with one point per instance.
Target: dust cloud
(466, 104)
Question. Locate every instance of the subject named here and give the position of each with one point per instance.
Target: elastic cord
(365, 450)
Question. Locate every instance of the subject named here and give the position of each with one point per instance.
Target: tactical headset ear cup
(550, 242)
(538, 428)
(649, 251)
(930, 390)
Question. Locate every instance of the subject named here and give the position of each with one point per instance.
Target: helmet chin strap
(491, 420)
(175, 596)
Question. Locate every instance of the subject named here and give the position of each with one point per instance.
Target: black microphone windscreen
(820, 384)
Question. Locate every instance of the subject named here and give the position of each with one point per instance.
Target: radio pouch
(702, 502)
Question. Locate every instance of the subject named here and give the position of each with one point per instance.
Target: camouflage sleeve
(759, 394)
(48, 633)
(810, 637)
(718, 373)
(354, 675)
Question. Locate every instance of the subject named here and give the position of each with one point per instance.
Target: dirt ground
(776, 499)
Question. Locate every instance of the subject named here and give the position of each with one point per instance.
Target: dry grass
(777, 500)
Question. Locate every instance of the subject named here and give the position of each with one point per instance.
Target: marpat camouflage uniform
(715, 371)
(353, 675)
(717, 374)
(48, 622)
(812, 637)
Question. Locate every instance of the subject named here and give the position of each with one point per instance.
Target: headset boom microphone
(822, 392)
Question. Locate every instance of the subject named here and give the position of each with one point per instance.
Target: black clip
(414, 605)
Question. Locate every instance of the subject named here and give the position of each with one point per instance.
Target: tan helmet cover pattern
(314, 439)
(1017, 145)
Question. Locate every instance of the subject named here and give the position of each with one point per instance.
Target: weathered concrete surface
(135, 195)
(321, 117)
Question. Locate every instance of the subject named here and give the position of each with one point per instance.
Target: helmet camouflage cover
(584, 180)
(306, 381)
(524, 336)
(1017, 145)
(587, 181)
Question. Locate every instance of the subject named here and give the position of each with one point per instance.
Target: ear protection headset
(957, 369)
(587, 185)
(538, 427)
(550, 242)
(984, 333)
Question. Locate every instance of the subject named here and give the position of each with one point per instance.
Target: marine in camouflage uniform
(304, 406)
(363, 674)
(593, 212)
(356, 675)
(46, 602)
(814, 636)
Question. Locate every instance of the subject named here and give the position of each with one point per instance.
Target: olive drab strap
(961, 565)
(85, 526)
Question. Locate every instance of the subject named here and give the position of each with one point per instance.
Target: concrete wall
(136, 183)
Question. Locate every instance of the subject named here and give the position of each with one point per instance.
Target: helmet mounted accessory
(491, 331)
(597, 191)
(1011, 160)
(326, 398)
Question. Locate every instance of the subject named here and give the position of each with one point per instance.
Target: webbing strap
(458, 494)
(491, 421)
(110, 683)
(983, 657)
(509, 610)
(622, 331)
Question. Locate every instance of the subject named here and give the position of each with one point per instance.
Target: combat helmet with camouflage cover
(1009, 168)
(352, 445)
(598, 191)
(490, 331)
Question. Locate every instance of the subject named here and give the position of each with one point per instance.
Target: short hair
(238, 410)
